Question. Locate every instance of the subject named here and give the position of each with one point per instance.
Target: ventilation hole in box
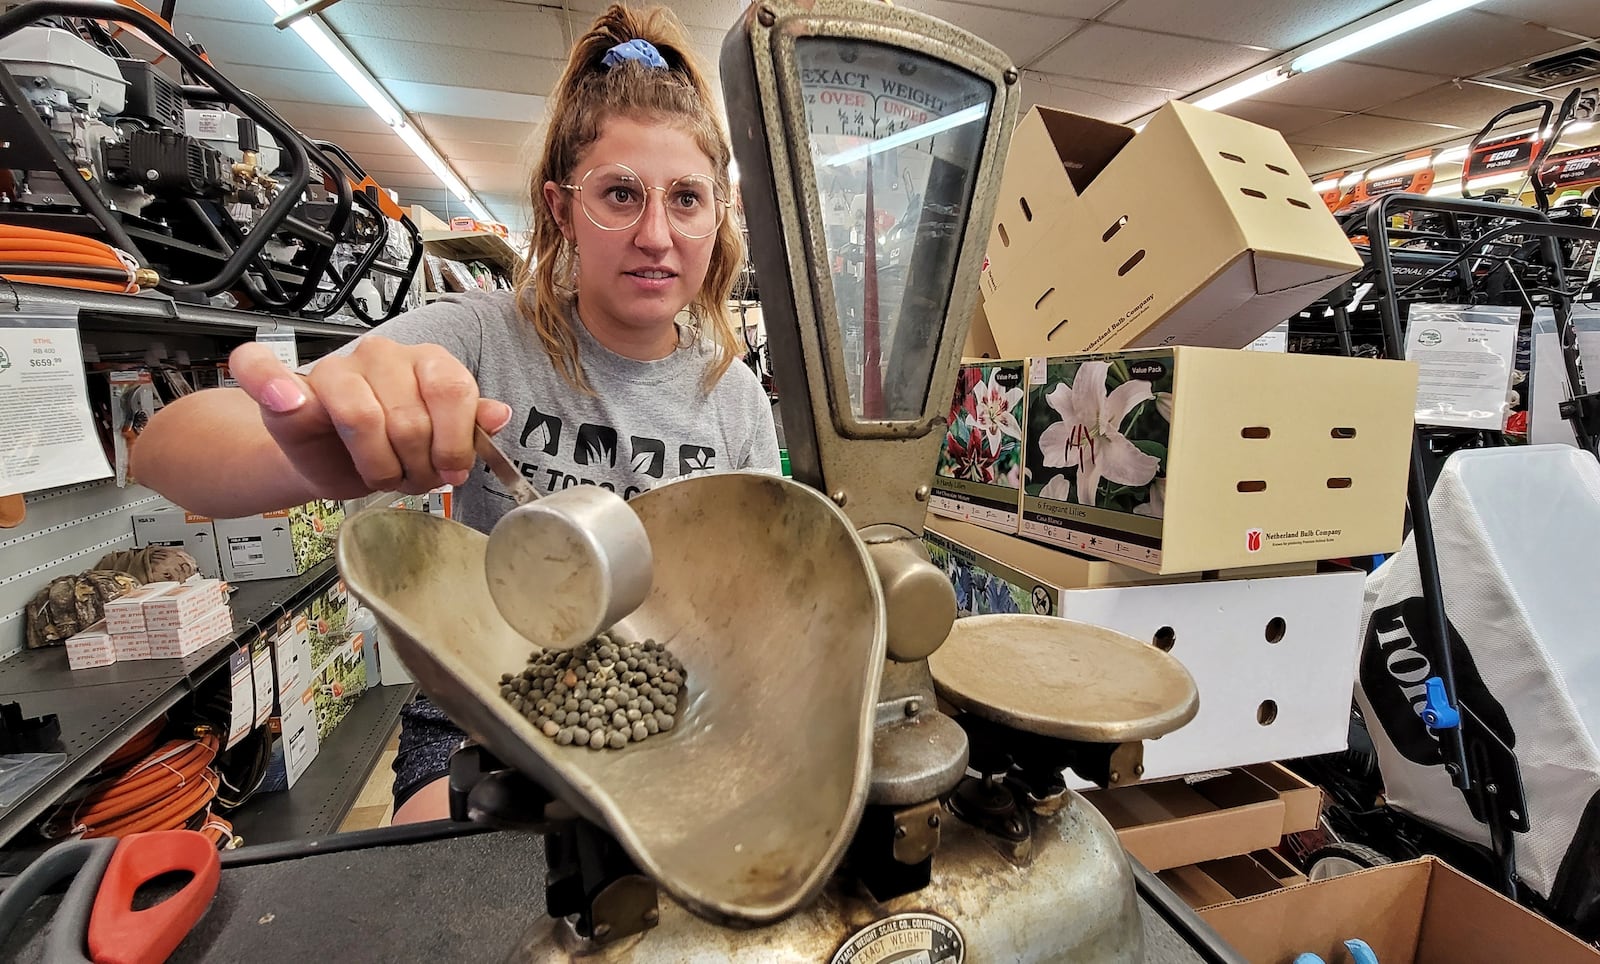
(1048, 293)
(1005, 239)
(1116, 226)
(1164, 639)
(1300, 204)
(1231, 157)
(1267, 712)
(1338, 483)
(1255, 431)
(1253, 485)
(1343, 433)
(1131, 263)
(1276, 627)
(1252, 192)
(1027, 212)
(1280, 170)
(1056, 330)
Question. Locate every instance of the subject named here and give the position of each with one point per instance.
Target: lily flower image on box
(1100, 435)
(984, 440)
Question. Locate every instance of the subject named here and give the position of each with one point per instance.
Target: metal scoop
(567, 567)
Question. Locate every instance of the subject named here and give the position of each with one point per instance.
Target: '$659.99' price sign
(47, 434)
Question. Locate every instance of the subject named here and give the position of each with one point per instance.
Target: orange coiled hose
(135, 749)
(41, 251)
(163, 791)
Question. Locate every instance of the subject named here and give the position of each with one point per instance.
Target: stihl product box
(185, 530)
(91, 648)
(1085, 256)
(277, 544)
(125, 614)
(1193, 459)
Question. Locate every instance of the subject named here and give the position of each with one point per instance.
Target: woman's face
(638, 277)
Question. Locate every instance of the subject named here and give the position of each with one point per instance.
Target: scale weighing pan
(1064, 679)
(762, 589)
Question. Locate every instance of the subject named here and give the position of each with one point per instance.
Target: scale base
(1071, 898)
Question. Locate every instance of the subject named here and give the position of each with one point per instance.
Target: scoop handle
(501, 466)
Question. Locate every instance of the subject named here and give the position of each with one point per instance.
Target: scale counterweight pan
(1064, 679)
(764, 593)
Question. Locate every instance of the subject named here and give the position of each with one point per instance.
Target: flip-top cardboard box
(1418, 912)
(1192, 459)
(1202, 229)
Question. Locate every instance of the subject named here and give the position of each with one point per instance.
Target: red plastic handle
(118, 934)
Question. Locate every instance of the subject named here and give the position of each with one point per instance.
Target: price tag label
(47, 433)
(282, 344)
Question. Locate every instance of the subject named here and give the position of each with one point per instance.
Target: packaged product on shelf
(91, 648)
(125, 614)
(131, 646)
(277, 544)
(1193, 459)
(183, 605)
(133, 403)
(979, 474)
(178, 642)
(1202, 229)
(175, 527)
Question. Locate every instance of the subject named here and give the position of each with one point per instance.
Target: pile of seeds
(605, 693)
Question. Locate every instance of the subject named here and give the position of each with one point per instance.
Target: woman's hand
(385, 418)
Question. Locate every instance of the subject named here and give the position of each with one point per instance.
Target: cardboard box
(91, 648)
(298, 726)
(1084, 256)
(979, 474)
(1214, 882)
(277, 544)
(1192, 459)
(291, 660)
(183, 605)
(1249, 638)
(338, 664)
(1174, 823)
(125, 614)
(190, 637)
(980, 340)
(185, 530)
(1418, 912)
(131, 646)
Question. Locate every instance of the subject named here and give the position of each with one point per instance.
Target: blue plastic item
(1360, 953)
(1436, 709)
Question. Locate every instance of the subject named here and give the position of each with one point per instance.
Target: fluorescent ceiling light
(1323, 187)
(1249, 87)
(1492, 180)
(1409, 166)
(1579, 128)
(1454, 155)
(1351, 180)
(1387, 28)
(333, 53)
(908, 136)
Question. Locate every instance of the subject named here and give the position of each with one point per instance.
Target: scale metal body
(857, 777)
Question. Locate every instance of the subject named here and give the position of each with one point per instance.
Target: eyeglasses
(614, 198)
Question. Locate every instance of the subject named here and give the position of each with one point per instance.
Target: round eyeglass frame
(722, 203)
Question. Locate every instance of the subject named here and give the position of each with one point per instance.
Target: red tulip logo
(1252, 540)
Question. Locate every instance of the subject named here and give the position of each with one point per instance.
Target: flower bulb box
(979, 476)
(1251, 638)
(1084, 256)
(1186, 459)
(277, 544)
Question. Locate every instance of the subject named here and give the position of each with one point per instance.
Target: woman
(586, 371)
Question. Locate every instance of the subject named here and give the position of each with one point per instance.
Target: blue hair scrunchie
(642, 51)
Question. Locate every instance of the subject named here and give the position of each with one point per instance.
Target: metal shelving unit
(99, 709)
(318, 802)
(157, 313)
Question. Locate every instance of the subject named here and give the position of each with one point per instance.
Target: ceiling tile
(1113, 102)
(1346, 87)
(1463, 44)
(1266, 23)
(306, 86)
(457, 66)
(1280, 117)
(360, 144)
(257, 43)
(331, 117)
(1468, 106)
(1321, 160)
(466, 102)
(1103, 52)
(1022, 37)
(447, 127)
(1578, 16)
(1380, 135)
(1076, 9)
(500, 27)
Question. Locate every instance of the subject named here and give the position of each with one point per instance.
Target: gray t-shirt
(647, 422)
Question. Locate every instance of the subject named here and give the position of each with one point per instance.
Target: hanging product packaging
(1550, 388)
(133, 403)
(1464, 356)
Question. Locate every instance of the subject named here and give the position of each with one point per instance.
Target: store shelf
(156, 313)
(99, 709)
(473, 246)
(324, 794)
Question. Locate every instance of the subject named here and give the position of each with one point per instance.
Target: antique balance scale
(816, 802)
